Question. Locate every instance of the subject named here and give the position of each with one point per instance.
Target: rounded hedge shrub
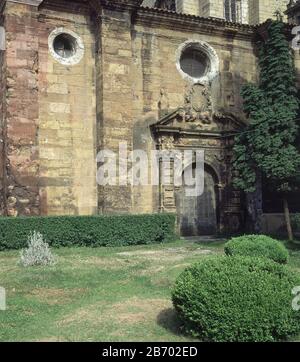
(258, 245)
(240, 298)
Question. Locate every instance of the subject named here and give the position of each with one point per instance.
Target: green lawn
(104, 294)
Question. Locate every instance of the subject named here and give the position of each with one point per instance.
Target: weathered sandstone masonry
(21, 110)
(115, 93)
(49, 115)
(248, 11)
(2, 123)
(122, 84)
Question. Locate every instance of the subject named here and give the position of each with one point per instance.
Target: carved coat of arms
(197, 106)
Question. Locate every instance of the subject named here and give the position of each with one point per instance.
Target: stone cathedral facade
(79, 76)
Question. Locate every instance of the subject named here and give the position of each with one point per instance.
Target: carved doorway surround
(194, 126)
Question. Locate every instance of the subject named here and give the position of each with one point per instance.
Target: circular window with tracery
(66, 46)
(197, 61)
(194, 62)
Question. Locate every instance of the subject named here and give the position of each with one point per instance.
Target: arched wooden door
(198, 215)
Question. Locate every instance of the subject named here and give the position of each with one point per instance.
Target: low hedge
(257, 245)
(237, 299)
(90, 231)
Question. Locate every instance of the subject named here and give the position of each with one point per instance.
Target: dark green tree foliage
(268, 145)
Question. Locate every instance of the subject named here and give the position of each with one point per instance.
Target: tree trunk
(287, 219)
(254, 209)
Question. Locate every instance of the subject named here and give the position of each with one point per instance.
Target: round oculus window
(197, 61)
(66, 46)
(194, 62)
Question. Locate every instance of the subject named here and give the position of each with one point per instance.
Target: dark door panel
(198, 214)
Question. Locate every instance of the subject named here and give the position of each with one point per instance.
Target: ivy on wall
(267, 146)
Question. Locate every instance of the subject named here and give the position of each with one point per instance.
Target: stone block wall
(254, 8)
(156, 72)
(149, 3)
(21, 111)
(188, 6)
(254, 11)
(205, 8)
(2, 128)
(55, 117)
(115, 69)
(214, 8)
(261, 10)
(157, 80)
(182, 6)
(50, 111)
(59, 116)
(67, 113)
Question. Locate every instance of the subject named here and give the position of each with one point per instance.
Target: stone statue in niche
(197, 105)
(163, 103)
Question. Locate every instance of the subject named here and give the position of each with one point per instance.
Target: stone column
(21, 167)
(188, 6)
(167, 191)
(115, 71)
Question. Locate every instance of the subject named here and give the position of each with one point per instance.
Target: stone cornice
(160, 17)
(96, 6)
(121, 4)
(262, 31)
(26, 2)
(178, 21)
(162, 130)
(81, 7)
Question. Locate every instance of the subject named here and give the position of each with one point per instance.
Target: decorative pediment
(180, 120)
(197, 115)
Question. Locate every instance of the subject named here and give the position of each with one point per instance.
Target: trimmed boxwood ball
(239, 299)
(258, 245)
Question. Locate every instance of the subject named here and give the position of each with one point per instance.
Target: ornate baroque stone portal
(196, 126)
